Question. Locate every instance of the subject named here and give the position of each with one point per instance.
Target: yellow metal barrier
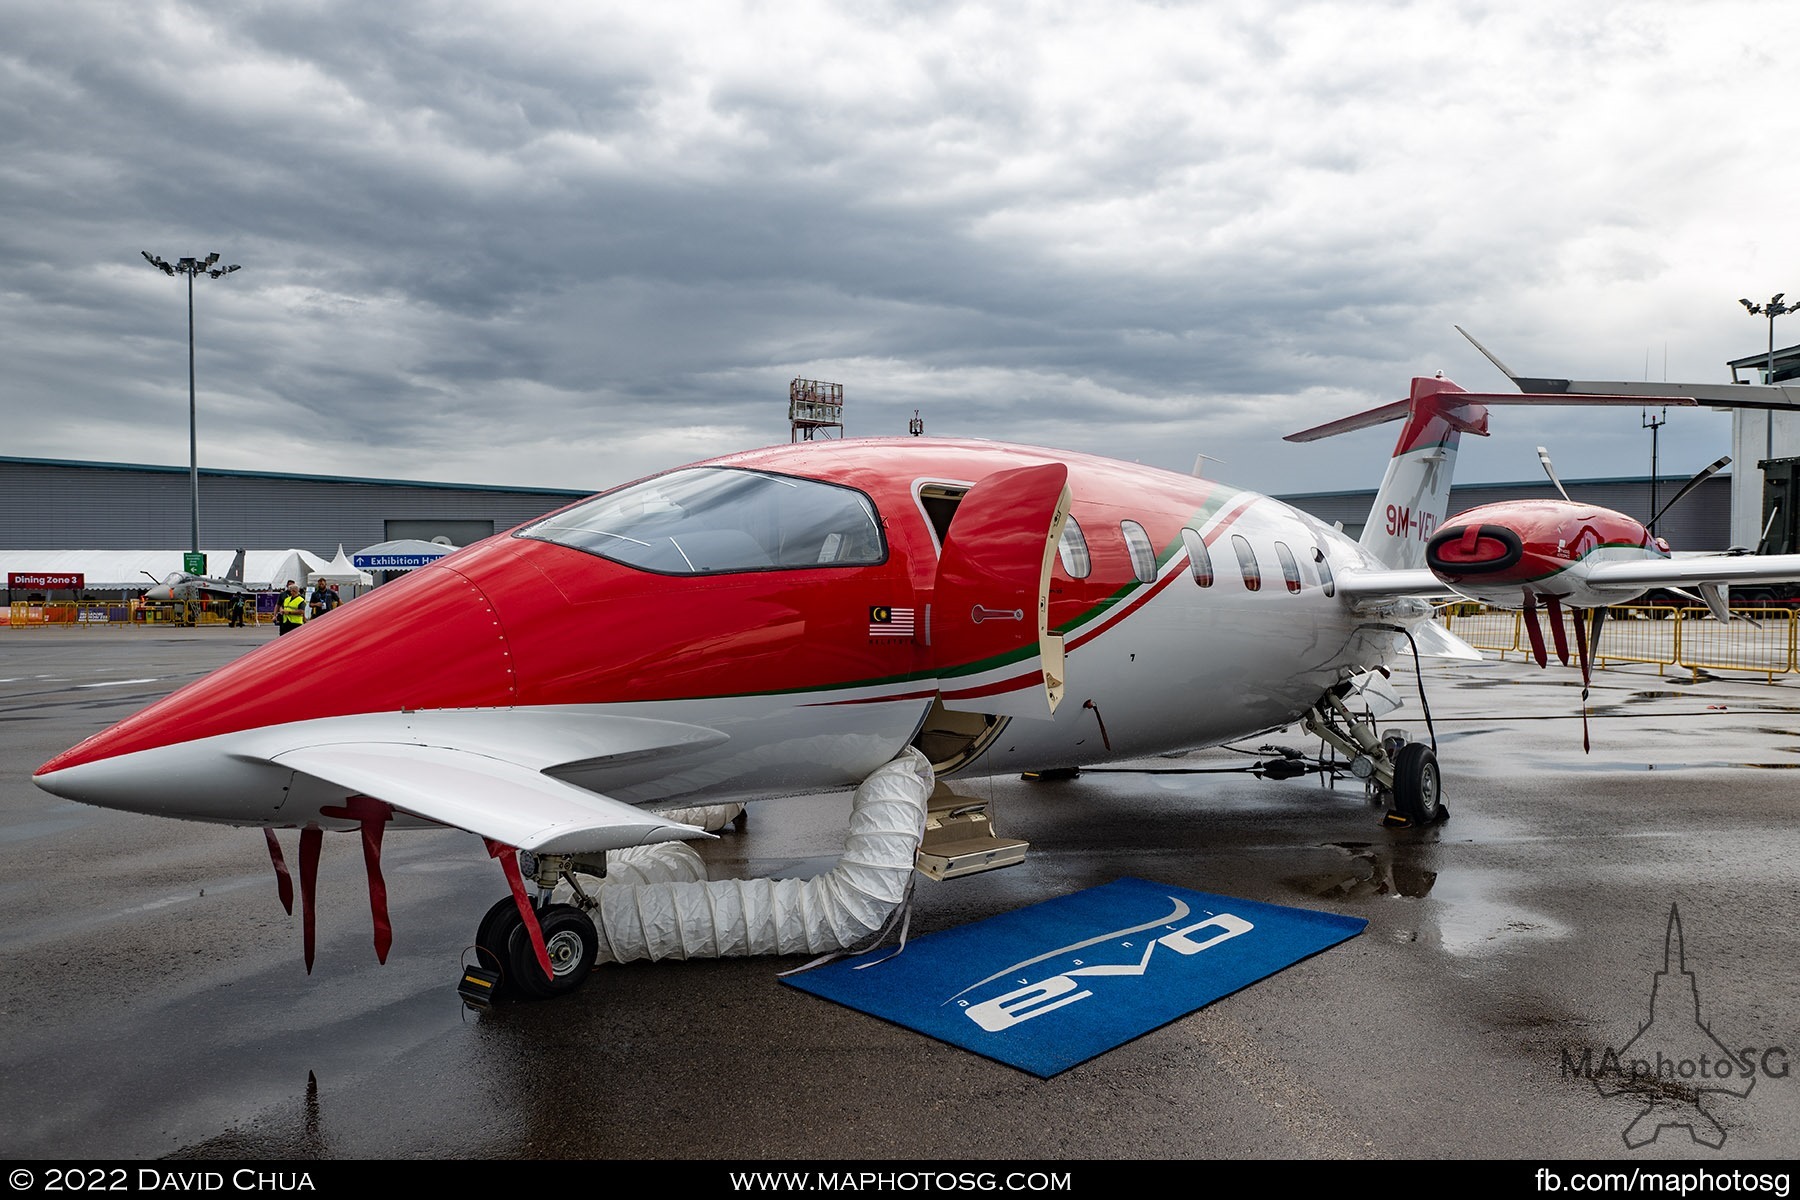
(40, 613)
(1762, 640)
(1757, 639)
(90, 614)
(1483, 628)
(1639, 633)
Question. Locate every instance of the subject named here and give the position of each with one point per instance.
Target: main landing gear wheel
(492, 937)
(573, 944)
(1417, 786)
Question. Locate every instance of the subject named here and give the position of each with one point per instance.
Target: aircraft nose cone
(429, 640)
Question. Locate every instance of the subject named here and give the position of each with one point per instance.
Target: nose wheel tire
(574, 947)
(1417, 785)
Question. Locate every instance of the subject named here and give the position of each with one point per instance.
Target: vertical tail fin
(236, 574)
(1410, 504)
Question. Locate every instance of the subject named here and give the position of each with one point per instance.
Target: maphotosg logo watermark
(1675, 1066)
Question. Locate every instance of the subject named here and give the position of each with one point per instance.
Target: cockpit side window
(715, 520)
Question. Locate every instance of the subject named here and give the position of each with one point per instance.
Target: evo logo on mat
(1048, 986)
(1047, 995)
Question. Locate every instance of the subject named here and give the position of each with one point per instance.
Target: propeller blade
(284, 883)
(311, 839)
(1557, 633)
(1690, 485)
(1544, 457)
(1534, 631)
(1774, 511)
(1587, 675)
(374, 816)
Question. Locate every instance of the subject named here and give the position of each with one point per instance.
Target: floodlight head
(214, 257)
(1776, 299)
(1749, 307)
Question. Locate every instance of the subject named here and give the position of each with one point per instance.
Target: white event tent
(134, 570)
(340, 571)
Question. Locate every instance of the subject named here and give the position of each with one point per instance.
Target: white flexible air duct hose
(659, 862)
(710, 817)
(667, 916)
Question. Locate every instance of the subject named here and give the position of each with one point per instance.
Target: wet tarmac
(156, 1005)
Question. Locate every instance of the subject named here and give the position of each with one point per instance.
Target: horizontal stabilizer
(487, 796)
(1400, 408)
(1716, 395)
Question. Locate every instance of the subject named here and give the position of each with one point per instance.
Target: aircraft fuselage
(806, 660)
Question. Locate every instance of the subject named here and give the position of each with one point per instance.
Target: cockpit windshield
(711, 520)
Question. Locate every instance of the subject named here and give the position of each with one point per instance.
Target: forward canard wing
(491, 797)
(491, 772)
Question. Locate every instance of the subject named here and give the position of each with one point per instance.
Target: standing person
(293, 609)
(237, 613)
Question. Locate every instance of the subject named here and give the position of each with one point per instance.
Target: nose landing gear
(1401, 774)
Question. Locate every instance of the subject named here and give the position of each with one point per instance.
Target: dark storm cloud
(573, 243)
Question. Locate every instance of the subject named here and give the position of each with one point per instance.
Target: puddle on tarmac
(1729, 704)
(1366, 870)
(1588, 767)
(1470, 911)
(1474, 917)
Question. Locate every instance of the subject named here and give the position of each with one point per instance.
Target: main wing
(1381, 584)
(1633, 576)
(1697, 569)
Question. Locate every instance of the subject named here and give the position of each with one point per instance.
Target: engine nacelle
(1501, 554)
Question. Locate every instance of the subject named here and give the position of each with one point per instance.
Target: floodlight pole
(192, 267)
(1774, 308)
(1653, 424)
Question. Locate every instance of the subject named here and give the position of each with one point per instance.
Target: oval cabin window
(1199, 559)
(1143, 554)
(1246, 557)
(1290, 569)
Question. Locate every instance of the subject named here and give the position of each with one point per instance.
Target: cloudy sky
(569, 243)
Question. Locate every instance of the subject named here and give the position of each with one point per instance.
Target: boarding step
(960, 840)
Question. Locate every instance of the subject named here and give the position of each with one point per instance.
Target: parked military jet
(180, 587)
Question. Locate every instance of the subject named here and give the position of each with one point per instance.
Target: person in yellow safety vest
(293, 610)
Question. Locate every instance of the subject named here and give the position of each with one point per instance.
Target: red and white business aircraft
(790, 619)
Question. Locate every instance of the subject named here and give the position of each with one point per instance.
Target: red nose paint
(428, 640)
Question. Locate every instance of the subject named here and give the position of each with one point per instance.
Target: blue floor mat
(1053, 985)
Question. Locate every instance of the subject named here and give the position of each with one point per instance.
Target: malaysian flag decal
(888, 621)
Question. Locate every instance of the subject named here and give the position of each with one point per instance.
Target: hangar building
(1758, 437)
(1702, 521)
(52, 504)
